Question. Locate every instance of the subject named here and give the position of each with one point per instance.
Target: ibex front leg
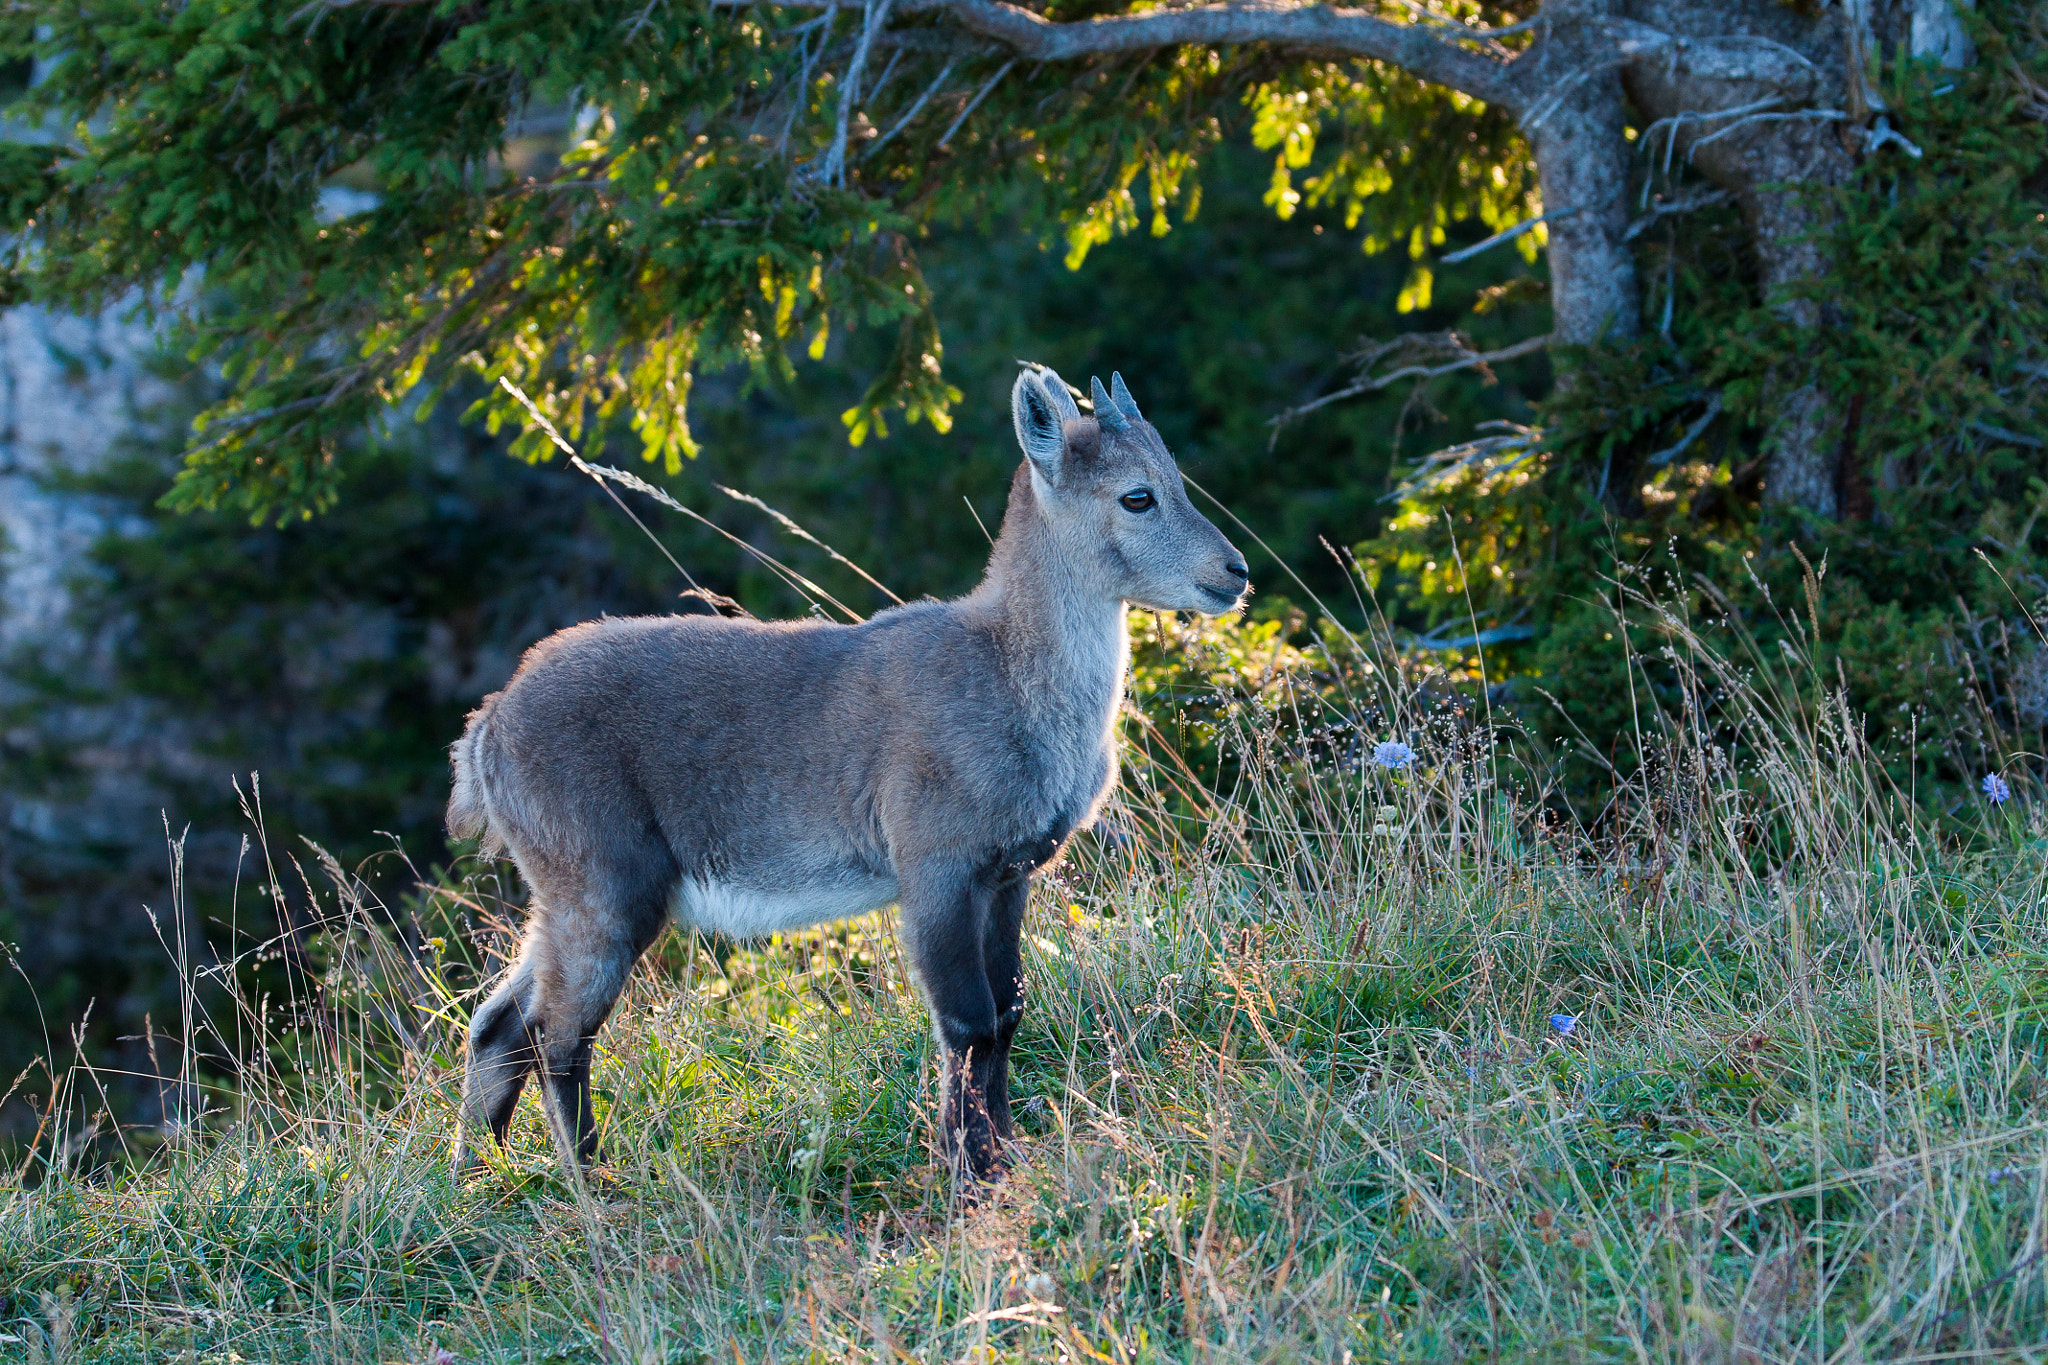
(1007, 892)
(945, 930)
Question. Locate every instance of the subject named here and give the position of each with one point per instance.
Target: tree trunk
(1770, 165)
(1576, 124)
(1771, 173)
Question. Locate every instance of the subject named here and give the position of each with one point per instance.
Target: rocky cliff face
(81, 837)
(75, 393)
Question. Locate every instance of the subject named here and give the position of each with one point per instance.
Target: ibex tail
(469, 815)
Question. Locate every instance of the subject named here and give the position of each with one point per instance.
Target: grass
(1346, 1065)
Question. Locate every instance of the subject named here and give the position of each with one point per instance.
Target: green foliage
(1218, 326)
(337, 655)
(1933, 312)
(334, 658)
(24, 181)
(708, 207)
(651, 247)
(1388, 170)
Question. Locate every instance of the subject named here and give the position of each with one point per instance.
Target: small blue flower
(1995, 787)
(1564, 1023)
(1393, 753)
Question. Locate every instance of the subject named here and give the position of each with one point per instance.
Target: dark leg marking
(501, 1056)
(963, 924)
(1003, 960)
(582, 940)
(589, 961)
(943, 917)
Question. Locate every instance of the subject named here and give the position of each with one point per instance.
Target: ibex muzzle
(748, 777)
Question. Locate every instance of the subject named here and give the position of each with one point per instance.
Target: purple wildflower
(1393, 753)
(1564, 1023)
(1995, 787)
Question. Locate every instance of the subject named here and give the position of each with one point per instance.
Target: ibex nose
(1236, 569)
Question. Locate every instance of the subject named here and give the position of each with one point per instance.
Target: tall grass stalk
(1324, 1061)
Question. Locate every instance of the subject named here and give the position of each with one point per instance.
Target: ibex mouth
(1225, 598)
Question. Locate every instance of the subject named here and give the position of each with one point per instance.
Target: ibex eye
(1139, 500)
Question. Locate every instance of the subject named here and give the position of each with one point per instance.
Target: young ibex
(750, 776)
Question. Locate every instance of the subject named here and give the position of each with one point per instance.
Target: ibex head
(1113, 498)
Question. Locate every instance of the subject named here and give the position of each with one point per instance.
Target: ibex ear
(1040, 418)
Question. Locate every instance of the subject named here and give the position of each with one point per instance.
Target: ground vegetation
(1366, 1060)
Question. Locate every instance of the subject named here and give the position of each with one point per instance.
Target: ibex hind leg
(501, 1056)
(587, 959)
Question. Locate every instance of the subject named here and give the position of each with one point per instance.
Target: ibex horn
(1106, 410)
(1121, 396)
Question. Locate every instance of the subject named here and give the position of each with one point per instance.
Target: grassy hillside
(1350, 1063)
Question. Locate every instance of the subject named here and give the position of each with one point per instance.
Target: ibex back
(748, 777)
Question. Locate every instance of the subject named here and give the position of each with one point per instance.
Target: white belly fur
(745, 912)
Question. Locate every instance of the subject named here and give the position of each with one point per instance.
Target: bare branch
(1690, 202)
(1458, 31)
(1881, 132)
(2034, 100)
(1674, 124)
(1509, 235)
(1467, 359)
(1692, 433)
(1831, 115)
(974, 103)
(1998, 433)
(1317, 28)
(1435, 49)
(810, 59)
(1557, 92)
(1488, 456)
(888, 74)
(915, 109)
(831, 168)
(1512, 630)
(1747, 59)
(320, 7)
(937, 42)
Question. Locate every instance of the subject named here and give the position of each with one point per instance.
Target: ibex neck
(1064, 640)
